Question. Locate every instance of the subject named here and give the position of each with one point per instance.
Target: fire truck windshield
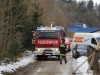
(47, 34)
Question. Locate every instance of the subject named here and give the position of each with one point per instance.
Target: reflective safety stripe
(62, 54)
(62, 45)
(33, 41)
(66, 49)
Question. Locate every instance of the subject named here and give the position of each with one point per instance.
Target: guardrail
(93, 62)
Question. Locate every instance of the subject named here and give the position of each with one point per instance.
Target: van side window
(93, 41)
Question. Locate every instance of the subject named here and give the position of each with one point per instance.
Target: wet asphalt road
(51, 66)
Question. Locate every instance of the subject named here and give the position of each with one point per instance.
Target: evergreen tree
(36, 14)
(82, 7)
(13, 20)
(90, 5)
(98, 13)
(34, 21)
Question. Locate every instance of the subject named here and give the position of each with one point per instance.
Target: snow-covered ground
(28, 57)
(83, 69)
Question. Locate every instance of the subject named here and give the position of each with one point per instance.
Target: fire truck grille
(48, 51)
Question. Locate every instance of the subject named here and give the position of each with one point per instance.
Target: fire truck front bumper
(47, 52)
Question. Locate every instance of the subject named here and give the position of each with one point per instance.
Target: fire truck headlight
(38, 49)
(57, 49)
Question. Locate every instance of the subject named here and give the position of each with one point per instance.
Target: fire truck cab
(47, 41)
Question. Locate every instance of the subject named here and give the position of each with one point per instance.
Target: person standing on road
(63, 51)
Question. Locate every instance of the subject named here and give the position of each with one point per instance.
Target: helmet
(63, 40)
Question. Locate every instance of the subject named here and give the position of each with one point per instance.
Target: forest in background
(18, 18)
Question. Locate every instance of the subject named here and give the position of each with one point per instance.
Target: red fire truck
(48, 40)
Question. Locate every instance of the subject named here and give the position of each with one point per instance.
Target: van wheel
(76, 57)
(73, 56)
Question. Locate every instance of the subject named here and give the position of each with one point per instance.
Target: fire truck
(48, 40)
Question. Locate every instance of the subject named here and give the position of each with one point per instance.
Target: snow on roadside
(84, 67)
(28, 58)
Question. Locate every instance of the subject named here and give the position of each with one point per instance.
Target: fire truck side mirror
(34, 33)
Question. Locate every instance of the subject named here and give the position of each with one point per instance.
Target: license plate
(47, 49)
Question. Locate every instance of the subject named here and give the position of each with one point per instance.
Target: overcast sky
(95, 1)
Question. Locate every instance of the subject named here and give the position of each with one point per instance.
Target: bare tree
(12, 19)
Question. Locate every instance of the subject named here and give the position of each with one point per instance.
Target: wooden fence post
(89, 52)
(98, 63)
(96, 66)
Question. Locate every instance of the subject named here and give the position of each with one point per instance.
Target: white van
(91, 39)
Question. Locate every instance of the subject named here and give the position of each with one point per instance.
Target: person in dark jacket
(63, 51)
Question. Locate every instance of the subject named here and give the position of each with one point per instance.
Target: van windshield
(98, 39)
(47, 34)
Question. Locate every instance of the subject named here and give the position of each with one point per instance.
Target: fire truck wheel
(46, 57)
(38, 57)
(58, 57)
